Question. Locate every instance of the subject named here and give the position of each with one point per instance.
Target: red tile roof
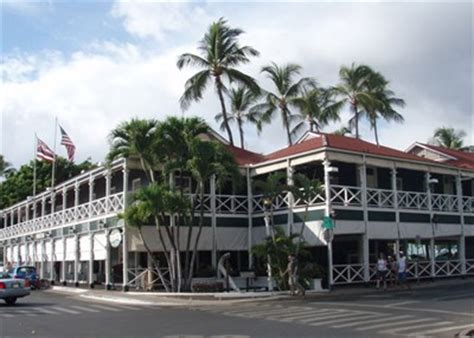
(463, 159)
(243, 156)
(343, 143)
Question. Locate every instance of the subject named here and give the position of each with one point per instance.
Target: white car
(12, 289)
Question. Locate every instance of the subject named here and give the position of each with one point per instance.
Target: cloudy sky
(93, 64)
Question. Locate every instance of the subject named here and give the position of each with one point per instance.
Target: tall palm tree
(317, 107)
(287, 91)
(343, 131)
(135, 138)
(449, 138)
(383, 104)
(354, 91)
(220, 54)
(241, 99)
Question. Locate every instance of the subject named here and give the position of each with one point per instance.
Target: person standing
(402, 270)
(392, 274)
(382, 271)
(292, 271)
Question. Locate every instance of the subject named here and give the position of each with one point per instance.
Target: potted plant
(312, 275)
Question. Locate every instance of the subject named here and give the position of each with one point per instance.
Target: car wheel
(10, 301)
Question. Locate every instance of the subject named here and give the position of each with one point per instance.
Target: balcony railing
(100, 207)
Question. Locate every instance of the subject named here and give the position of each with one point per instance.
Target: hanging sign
(328, 223)
(115, 238)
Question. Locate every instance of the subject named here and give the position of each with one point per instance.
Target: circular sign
(115, 238)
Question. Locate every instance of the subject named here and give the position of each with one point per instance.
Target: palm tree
(135, 138)
(287, 91)
(220, 53)
(354, 91)
(317, 108)
(5, 167)
(383, 104)
(241, 99)
(448, 138)
(343, 131)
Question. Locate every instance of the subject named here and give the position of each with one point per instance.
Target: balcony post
(77, 191)
(365, 237)
(290, 197)
(91, 194)
(433, 230)
(64, 203)
(249, 217)
(63, 263)
(76, 260)
(91, 259)
(42, 260)
(53, 202)
(395, 205)
(327, 213)
(18, 211)
(462, 241)
(107, 260)
(108, 184)
(124, 233)
(213, 220)
(43, 206)
(27, 210)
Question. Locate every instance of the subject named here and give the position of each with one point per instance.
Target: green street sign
(327, 223)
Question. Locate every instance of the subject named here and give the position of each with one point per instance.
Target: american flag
(67, 142)
(43, 152)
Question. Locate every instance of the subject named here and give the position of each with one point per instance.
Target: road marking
(83, 308)
(331, 316)
(245, 309)
(468, 314)
(342, 320)
(454, 296)
(395, 331)
(43, 310)
(103, 307)
(260, 313)
(6, 315)
(126, 307)
(375, 321)
(290, 314)
(23, 312)
(444, 329)
(308, 314)
(61, 309)
(401, 303)
(399, 324)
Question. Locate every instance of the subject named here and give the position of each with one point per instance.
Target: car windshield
(27, 270)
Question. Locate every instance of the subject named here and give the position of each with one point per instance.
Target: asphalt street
(435, 311)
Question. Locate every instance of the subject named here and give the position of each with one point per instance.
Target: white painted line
(126, 307)
(61, 309)
(454, 296)
(261, 313)
(467, 314)
(6, 315)
(309, 314)
(401, 303)
(43, 310)
(414, 327)
(375, 321)
(242, 309)
(292, 314)
(107, 308)
(444, 329)
(399, 324)
(83, 308)
(343, 320)
(331, 316)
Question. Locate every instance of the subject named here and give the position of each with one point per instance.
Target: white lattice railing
(470, 266)
(141, 278)
(380, 198)
(442, 202)
(99, 207)
(233, 204)
(412, 200)
(347, 273)
(280, 202)
(468, 204)
(346, 195)
(448, 268)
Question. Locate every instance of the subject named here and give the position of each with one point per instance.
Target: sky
(94, 64)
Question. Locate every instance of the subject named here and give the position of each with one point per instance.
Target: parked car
(28, 273)
(11, 289)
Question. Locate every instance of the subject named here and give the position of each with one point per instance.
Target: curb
(465, 333)
(67, 289)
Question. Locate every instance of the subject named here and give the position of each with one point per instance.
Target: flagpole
(54, 152)
(35, 154)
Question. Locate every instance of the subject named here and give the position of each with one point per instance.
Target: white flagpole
(54, 152)
(35, 154)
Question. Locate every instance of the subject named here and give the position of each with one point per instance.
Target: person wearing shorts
(402, 270)
(382, 271)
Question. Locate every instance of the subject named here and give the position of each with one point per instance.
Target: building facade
(380, 200)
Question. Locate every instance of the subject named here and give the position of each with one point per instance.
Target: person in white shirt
(402, 269)
(382, 271)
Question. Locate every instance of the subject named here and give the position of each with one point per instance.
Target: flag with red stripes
(67, 142)
(43, 152)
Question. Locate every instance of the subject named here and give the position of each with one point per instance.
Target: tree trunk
(241, 132)
(286, 124)
(155, 262)
(374, 124)
(165, 250)
(356, 116)
(188, 242)
(198, 235)
(224, 110)
(303, 225)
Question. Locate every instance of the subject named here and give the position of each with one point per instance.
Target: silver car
(12, 289)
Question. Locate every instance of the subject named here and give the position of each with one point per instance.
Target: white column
(64, 198)
(76, 260)
(395, 206)
(365, 237)
(290, 182)
(63, 263)
(27, 210)
(18, 211)
(108, 183)
(250, 219)
(124, 234)
(107, 260)
(462, 238)
(433, 231)
(42, 260)
(213, 220)
(53, 202)
(51, 262)
(91, 260)
(327, 213)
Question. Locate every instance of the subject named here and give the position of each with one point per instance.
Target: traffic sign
(328, 223)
